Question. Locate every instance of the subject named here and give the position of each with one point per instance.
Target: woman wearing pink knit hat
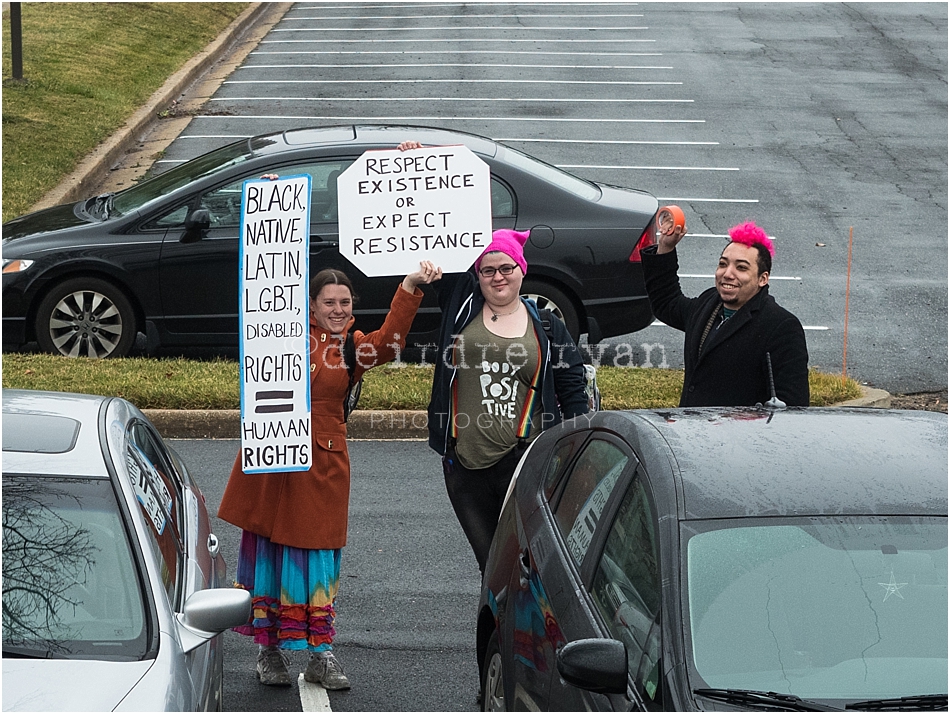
(505, 372)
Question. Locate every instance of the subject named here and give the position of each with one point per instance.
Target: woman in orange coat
(294, 524)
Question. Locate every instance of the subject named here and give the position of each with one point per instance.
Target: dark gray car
(722, 559)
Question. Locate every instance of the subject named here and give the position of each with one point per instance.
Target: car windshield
(844, 608)
(551, 174)
(70, 585)
(208, 164)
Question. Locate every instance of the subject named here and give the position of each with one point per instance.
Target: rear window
(39, 433)
(71, 589)
(551, 174)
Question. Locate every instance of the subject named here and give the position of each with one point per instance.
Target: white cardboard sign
(399, 207)
(275, 327)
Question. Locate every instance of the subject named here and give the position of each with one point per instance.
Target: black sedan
(722, 559)
(161, 258)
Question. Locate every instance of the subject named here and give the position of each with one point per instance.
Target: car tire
(86, 317)
(550, 298)
(493, 678)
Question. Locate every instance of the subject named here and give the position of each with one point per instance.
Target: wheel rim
(85, 323)
(546, 303)
(494, 686)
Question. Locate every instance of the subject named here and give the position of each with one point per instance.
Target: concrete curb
(96, 166)
(363, 424)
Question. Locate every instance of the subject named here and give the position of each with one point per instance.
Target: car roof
(52, 433)
(730, 463)
(364, 136)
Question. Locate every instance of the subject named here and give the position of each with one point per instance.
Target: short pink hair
(751, 235)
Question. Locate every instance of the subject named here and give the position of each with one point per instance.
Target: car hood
(68, 685)
(46, 221)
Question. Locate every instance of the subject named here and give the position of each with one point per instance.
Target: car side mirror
(597, 665)
(210, 612)
(196, 223)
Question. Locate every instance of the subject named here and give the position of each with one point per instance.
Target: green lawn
(88, 68)
(191, 384)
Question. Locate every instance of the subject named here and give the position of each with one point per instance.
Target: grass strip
(190, 384)
(88, 67)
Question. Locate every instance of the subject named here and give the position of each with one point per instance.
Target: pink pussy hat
(509, 242)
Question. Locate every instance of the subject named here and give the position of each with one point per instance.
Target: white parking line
(667, 199)
(608, 141)
(449, 17)
(447, 99)
(813, 328)
(363, 118)
(454, 52)
(374, 6)
(647, 168)
(402, 65)
(709, 277)
(440, 81)
(492, 40)
(444, 27)
(313, 697)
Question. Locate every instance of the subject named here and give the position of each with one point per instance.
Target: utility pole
(16, 42)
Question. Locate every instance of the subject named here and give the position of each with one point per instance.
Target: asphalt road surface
(812, 119)
(409, 587)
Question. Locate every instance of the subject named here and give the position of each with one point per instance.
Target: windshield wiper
(921, 703)
(765, 700)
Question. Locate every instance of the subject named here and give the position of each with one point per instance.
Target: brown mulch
(927, 401)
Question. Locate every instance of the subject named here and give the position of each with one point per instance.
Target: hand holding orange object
(669, 218)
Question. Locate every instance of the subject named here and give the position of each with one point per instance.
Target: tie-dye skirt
(292, 593)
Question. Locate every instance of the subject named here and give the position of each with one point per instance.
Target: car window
(626, 589)
(224, 203)
(502, 200)
(70, 585)
(558, 462)
(548, 173)
(170, 219)
(159, 493)
(586, 492)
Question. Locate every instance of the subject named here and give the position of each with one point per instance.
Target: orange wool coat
(309, 509)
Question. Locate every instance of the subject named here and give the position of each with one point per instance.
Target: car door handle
(214, 547)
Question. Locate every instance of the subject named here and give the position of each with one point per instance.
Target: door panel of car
(546, 611)
(199, 278)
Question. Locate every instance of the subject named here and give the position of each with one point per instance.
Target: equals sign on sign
(274, 408)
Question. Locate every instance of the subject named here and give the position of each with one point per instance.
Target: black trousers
(477, 497)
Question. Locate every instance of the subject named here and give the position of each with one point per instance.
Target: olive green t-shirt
(493, 378)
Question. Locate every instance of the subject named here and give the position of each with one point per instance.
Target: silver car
(113, 586)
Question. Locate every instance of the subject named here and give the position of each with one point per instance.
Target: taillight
(647, 238)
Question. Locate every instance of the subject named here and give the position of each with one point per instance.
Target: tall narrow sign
(275, 354)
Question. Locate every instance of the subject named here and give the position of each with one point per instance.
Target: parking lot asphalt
(126, 155)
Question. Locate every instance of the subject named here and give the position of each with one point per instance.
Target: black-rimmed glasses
(505, 270)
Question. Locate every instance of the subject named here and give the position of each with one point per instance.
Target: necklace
(496, 315)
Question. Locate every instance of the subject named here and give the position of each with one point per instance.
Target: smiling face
(500, 290)
(332, 307)
(738, 278)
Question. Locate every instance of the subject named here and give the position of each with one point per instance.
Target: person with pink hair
(741, 348)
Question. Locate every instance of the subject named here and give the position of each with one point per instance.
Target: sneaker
(272, 668)
(324, 669)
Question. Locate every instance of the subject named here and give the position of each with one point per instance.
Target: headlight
(11, 265)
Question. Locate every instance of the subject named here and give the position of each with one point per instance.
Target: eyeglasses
(503, 269)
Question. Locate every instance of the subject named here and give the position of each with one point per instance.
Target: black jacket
(562, 384)
(732, 369)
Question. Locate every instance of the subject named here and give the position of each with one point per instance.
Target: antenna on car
(774, 402)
